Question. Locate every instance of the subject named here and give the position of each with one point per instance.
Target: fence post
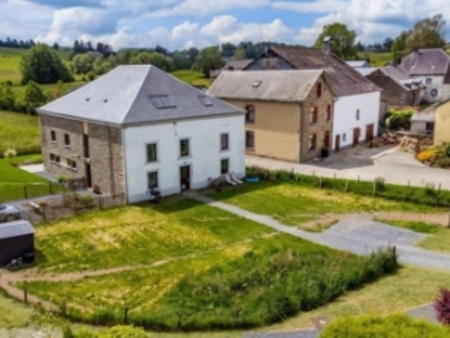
(439, 187)
(64, 308)
(320, 182)
(125, 315)
(25, 293)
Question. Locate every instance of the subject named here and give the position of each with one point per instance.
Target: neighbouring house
(432, 67)
(357, 100)
(399, 89)
(231, 65)
(16, 240)
(359, 64)
(137, 128)
(442, 123)
(423, 122)
(289, 114)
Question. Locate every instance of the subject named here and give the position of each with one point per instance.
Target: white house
(357, 100)
(432, 67)
(138, 127)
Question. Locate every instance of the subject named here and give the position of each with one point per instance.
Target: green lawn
(19, 132)
(192, 77)
(10, 174)
(377, 59)
(295, 204)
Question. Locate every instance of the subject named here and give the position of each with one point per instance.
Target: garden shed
(16, 240)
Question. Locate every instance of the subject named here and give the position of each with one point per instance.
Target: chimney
(327, 45)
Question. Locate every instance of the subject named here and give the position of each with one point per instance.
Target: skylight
(257, 83)
(162, 101)
(205, 100)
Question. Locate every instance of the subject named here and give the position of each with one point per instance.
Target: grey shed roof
(433, 61)
(274, 85)
(424, 117)
(15, 229)
(132, 94)
(399, 75)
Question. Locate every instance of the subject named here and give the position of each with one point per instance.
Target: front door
(185, 178)
(326, 140)
(356, 134)
(88, 176)
(337, 142)
(369, 132)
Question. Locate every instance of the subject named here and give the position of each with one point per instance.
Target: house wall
(105, 147)
(276, 129)
(437, 83)
(205, 153)
(345, 121)
(393, 94)
(15, 247)
(419, 127)
(442, 124)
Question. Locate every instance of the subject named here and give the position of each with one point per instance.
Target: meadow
(216, 269)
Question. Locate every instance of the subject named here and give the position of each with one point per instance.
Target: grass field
(10, 174)
(192, 77)
(295, 204)
(220, 271)
(19, 132)
(377, 59)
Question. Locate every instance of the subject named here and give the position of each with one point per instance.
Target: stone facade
(105, 152)
(393, 94)
(282, 129)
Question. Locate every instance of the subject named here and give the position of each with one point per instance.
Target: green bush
(378, 327)
(399, 119)
(124, 332)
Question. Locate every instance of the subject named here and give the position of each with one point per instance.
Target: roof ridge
(147, 74)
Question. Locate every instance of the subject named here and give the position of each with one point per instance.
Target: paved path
(395, 166)
(356, 235)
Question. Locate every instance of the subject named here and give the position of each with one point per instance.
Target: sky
(179, 24)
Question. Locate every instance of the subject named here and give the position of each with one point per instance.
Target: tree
(84, 63)
(56, 46)
(34, 96)
(398, 47)
(427, 33)
(43, 65)
(209, 59)
(7, 97)
(387, 44)
(239, 54)
(342, 40)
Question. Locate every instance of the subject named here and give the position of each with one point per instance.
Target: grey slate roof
(238, 64)
(399, 75)
(275, 85)
(122, 97)
(433, 61)
(15, 229)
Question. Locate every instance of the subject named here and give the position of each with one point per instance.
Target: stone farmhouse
(289, 114)
(356, 107)
(432, 67)
(138, 127)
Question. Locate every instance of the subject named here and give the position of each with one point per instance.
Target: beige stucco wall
(276, 129)
(442, 126)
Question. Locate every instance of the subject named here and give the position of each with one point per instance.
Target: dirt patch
(440, 219)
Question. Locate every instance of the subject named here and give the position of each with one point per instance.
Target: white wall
(345, 121)
(437, 83)
(205, 153)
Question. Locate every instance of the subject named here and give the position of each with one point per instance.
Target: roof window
(162, 101)
(257, 83)
(205, 100)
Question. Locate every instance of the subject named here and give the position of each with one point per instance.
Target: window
(250, 115)
(319, 90)
(53, 136)
(55, 159)
(313, 115)
(205, 100)
(250, 139)
(71, 164)
(184, 148)
(328, 112)
(67, 140)
(86, 146)
(152, 180)
(224, 166)
(152, 154)
(224, 142)
(344, 137)
(358, 114)
(312, 142)
(429, 126)
(429, 80)
(162, 101)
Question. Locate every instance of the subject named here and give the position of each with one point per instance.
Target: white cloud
(202, 7)
(318, 6)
